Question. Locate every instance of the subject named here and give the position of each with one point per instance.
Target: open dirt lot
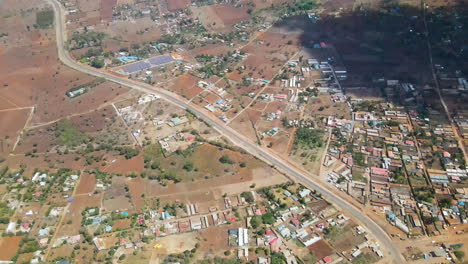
(78, 204)
(267, 54)
(182, 84)
(87, 184)
(212, 180)
(33, 76)
(327, 107)
(11, 123)
(9, 246)
(220, 17)
(106, 10)
(125, 166)
(218, 49)
(125, 33)
(321, 249)
(61, 252)
(103, 125)
(173, 5)
(245, 124)
(214, 240)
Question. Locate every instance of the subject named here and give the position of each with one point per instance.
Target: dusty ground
(86, 185)
(34, 77)
(9, 246)
(220, 17)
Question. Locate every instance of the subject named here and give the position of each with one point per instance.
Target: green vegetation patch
(425, 194)
(358, 174)
(184, 257)
(44, 19)
(305, 5)
(69, 135)
(332, 232)
(5, 213)
(128, 152)
(309, 138)
(86, 39)
(365, 259)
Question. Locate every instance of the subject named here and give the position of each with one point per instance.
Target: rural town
(233, 131)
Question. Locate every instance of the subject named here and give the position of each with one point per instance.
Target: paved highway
(237, 138)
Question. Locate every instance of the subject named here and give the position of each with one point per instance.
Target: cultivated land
(313, 131)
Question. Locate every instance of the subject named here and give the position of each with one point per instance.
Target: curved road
(237, 138)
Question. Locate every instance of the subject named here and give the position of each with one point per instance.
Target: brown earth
(9, 246)
(173, 5)
(87, 184)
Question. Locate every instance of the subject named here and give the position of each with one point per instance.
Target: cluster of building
(306, 220)
(401, 163)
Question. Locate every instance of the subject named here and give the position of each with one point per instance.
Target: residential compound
(406, 166)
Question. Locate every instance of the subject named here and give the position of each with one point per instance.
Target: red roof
(281, 96)
(268, 232)
(295, 222)
(327, 259)
(379, 171)
(273, 241)
(376, 153)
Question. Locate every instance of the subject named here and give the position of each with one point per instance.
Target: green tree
(225, 159)
(97, 63)
(268, 218)
(256, 221)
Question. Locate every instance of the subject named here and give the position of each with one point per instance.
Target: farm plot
(266, 55)
(122, 165)
(183, 84)
(11, 123)
(346, 239)
(72, 221)
(129, 32)
(245, 124)
(173, 5)
(87, 184)
(116, 197)
(208, 179)
(106, 10)
(324, 106)
(9, 246)
(102, 125)
(33, 75)
(220, 17)
(321, 249)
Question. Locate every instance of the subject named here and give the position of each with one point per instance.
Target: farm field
(9, 247)
(86, 185)
(220, 17)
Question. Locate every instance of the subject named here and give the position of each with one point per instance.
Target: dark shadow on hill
(387, 43)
